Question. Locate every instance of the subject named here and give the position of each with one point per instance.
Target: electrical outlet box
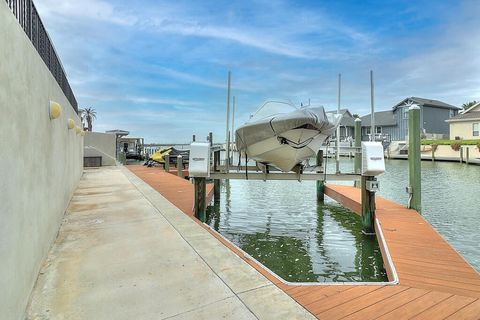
(373, 159)
(199, 160)
(372, 185)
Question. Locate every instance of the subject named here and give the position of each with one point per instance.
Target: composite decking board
(445, 308)
(391, 303)
(324, 304)
(361, 302)
(428, 267)
(417, 306)
(469, 312)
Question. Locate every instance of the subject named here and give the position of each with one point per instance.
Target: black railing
(27, 16)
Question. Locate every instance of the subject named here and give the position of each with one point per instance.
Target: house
(347, 124)
(385, 125)
(394, 123)
(465, 125)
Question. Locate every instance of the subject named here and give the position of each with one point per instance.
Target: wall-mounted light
(55, 110)
(71, 123)
(78, 130)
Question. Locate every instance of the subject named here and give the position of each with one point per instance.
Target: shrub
(475, 142)
(456, 146)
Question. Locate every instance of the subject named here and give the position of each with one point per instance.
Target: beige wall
(448, 152)
(462, 129)
(101, 144)
(40, 164)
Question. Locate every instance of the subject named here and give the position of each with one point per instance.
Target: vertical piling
(337, 142)
(461, 154)
(167, 163)
(216, 182)
(320, 183)
(368, 206)
(227, 133)
(434, 146)
(193, 138)
(414, 160)
(200, 198)
(467, 151)
(358, 145)
(210, 138)
(180, 166)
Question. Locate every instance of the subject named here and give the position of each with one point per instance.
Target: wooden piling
(368, 207)
(461, 154)
(180, 166)
(320, 183)
(467, 151)
(414, 160)
(167, 163)
(193, 138)
(433, 152)
(200, 207)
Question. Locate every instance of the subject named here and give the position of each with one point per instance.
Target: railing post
(200, 201)
(320, 183)
(414, 160)
(167, 163)
(180, 166)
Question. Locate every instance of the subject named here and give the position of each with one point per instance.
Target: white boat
(283, 135)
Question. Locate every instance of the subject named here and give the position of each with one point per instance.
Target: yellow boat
(159, 156)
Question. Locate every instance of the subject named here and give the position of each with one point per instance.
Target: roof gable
(422, 102)
(382, 118)
(474, 108)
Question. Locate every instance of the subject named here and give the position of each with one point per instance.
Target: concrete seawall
(40, 164)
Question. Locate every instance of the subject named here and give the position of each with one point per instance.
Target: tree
(87, 115)
(467, 105)
(355, 115)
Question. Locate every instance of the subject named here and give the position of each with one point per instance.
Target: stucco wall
(463, 129)
(40, 164)
(101, 144)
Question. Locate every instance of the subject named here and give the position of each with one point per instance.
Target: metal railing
(27, 16)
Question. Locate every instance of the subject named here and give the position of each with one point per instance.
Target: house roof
(426, 102)
(382, 118)
(347, 119)
(472, 108)
(472, 115)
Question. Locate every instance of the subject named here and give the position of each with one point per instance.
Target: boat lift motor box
(199, 160)
(373, 159)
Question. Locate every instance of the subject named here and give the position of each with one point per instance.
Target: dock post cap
(358, 120)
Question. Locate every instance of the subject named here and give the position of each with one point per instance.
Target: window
(405, 112)
(475, 128)
(452, 113)
(367, 130)
(378, 130)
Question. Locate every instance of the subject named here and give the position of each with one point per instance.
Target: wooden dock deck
(435, 282)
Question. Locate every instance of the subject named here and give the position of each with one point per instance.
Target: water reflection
(280, 224)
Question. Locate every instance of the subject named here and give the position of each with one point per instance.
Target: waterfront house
(347, 124)
(465, 125)
(393, 124)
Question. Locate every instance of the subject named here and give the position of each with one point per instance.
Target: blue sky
(159, 68)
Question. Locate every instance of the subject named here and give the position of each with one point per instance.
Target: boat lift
(205, 164)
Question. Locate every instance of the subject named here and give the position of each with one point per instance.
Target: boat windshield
(271, 108)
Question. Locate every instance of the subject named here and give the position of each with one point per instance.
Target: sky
(159, 68)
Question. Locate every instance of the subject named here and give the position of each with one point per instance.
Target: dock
(434, 281)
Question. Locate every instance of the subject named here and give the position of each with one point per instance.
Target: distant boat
(283, 135)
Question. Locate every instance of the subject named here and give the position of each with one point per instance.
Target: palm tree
(87, 115)
(467, 105)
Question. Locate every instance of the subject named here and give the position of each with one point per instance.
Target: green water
(280, 224)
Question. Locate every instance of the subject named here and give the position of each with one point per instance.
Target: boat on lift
(282, 135)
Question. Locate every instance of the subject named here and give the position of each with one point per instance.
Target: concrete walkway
(125, 252)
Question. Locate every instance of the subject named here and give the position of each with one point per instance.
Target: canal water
(280, 224)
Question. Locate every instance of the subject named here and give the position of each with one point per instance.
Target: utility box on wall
(199, 162)
(373, 159)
